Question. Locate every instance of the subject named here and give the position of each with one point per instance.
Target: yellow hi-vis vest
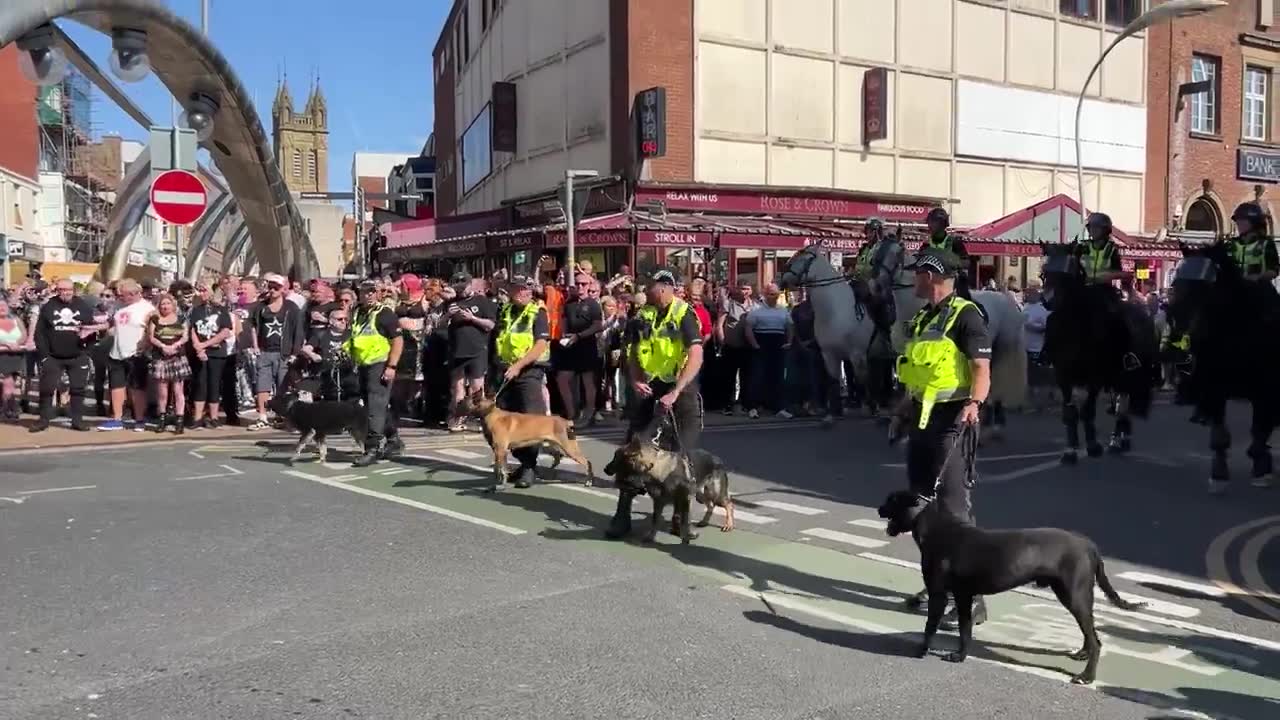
(1183, 342)
(516, 337)
(661, 351)
(1096, 261)
(932, 368)
(1250, 253)
(367, 346)
(862, 267)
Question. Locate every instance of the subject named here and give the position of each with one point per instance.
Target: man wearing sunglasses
(375, 346)
(325, 349)
(277, 338)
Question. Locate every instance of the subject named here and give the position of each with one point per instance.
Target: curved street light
(1165, 12)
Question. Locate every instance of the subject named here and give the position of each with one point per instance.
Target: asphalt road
(210, 580)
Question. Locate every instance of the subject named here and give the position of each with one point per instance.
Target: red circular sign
(178, 197)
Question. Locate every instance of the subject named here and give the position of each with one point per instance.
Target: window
(1122, 12)
(297, 163)
(1083, 9)
(1201, 217)
(1204, 105)
(311, 165)
(423, 183)
(477, 153)
(1253, 115)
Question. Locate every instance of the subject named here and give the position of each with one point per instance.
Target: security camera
(41, 60)
(199, 115)
(129, 60)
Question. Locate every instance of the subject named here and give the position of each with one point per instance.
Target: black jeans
(206, 379)
(51, 370)
(524, 395)
(735, 366)
(377, 402)
(647, 420)
(768, 371)
(929, 448)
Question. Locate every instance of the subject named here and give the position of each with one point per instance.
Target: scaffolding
(66, 118)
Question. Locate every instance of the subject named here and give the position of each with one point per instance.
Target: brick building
(813, 110)
(1210, 150)
(19, 161)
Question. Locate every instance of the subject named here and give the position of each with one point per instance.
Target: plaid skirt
(168, 369)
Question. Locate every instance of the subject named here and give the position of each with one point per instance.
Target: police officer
(875, 271)
(939, 239)
(374, 347)
(1253, 251)
(666, 356)
(946, 371)
(1099, 255)
(523, 350)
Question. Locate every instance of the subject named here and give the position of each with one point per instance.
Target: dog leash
(967, 441)
(684, 454)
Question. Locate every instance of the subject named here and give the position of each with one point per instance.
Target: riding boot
(620, 525)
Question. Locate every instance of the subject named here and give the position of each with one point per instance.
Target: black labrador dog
(963, 560)
(319, 419)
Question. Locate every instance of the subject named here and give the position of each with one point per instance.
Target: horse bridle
(802, 275)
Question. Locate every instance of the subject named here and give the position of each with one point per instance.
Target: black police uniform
(523, 393)
(646, 418)
(938, 462)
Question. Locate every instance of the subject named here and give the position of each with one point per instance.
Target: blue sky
(373, 60)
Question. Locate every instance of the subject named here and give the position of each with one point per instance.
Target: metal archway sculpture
(202, 235)
(186, 63)
(235, 247)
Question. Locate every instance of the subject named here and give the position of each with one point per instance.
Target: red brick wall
(19, 135)
(373, 185)
(652, 45)
(1173, 177)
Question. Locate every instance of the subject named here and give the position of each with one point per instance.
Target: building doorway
(1202, 216)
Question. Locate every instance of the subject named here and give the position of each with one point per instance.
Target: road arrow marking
(230, 472)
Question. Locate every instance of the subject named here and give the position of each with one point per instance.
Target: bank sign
(1257, 164)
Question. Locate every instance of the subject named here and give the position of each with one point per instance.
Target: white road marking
(790, 603)
(464, 454)
(15, 501)
(195, 454)
(394, 471)
(1019, 456)
(230, 471)
(1107, 607)
(844, 537)
(57, 489)
(337, 465)
(409, 503)
(440, 461)
(869, 523)
(738, 514)
(345, 478)
(1160, 580)
(1015, 474)
(175, 197)
(743, 515)
(789, 507)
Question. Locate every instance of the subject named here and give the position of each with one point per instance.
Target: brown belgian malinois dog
(506, 431)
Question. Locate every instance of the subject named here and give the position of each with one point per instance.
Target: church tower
(301, 139)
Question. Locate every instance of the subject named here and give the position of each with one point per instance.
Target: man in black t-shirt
(63, 325)
(578, 359)
(279, 332)
(211, 327)
(472, 317)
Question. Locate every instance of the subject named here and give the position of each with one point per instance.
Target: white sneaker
(754, 414)
(785, 415)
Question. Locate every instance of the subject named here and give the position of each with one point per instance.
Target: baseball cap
(274, 278)
(663, 275)
(936, 260)
(522, 281)
(462, 276)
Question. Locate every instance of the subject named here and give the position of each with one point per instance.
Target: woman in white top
(13, 359)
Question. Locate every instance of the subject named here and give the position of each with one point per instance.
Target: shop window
(1083, 9)
(1122, 12)
(1204, 105)
(1253, 115)
(1202, 217)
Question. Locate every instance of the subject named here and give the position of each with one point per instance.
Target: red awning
(743, 232)
(601, 231)
(419, 233)
(1048, 221)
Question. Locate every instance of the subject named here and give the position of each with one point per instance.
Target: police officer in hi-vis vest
(945, 369)
(1252, 249)
(939, 239)
(523, 349)
(665, 358)
(374, 347)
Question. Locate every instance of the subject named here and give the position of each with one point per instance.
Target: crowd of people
(194, 356)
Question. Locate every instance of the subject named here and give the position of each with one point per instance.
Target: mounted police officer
(523, 350)
(1102, 264)
(939, 239)
(946, 370)
(1252, 249)
(875, 270)
(665, 357)
(374, 347)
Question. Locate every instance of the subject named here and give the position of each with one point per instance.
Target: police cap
(938, 261)
(663, 275)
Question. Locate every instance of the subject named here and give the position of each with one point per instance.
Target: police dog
(963, 560)
(643, 467)
(320, 419)
(506, 431)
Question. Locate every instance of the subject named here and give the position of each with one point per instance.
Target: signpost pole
(569, 229)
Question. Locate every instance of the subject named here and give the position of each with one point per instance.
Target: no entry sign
(178, 197)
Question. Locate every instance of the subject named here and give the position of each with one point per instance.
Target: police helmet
(1099, 220)
(1252, 213)
(940, 215)
(874, 224)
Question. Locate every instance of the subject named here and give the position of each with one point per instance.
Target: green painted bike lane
(1159, 662)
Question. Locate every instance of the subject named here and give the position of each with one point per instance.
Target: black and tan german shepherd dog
(662, 473)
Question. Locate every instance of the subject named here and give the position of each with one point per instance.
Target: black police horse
(1087, 343)
(1234, 327)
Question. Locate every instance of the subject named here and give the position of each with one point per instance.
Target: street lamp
(1165, 12)
(570, 225)
(41, 60)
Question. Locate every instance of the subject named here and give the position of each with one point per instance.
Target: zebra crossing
(828, 524)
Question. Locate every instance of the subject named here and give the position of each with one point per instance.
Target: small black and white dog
(319, 419)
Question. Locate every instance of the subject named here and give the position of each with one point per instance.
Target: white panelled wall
(981, 101)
